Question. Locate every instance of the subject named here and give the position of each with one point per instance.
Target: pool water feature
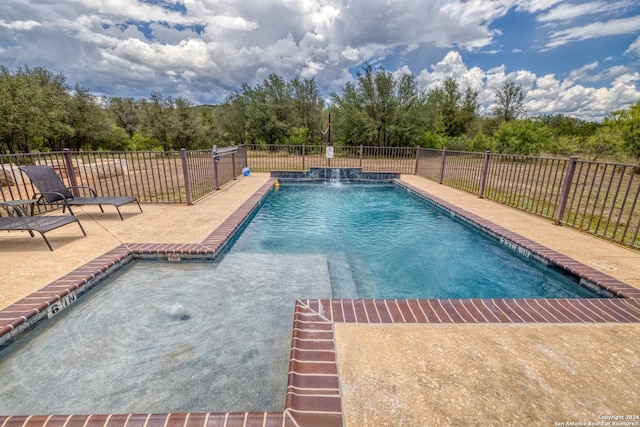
(167, 337)
(382, 242)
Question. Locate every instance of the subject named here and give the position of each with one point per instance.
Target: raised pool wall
(335, 174)
(313, 390)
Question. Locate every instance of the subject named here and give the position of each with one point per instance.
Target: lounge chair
(54, 192)
(41, 224)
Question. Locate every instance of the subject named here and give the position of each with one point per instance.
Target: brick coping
(313, 390)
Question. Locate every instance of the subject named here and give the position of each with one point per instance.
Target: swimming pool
(379, 241)
(221, 330)
(206, 337)
(313, 391)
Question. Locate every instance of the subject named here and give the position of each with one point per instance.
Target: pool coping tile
(313, 396)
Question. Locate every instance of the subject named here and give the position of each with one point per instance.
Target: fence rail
(265, 158)
(153, 177)
(599, 198)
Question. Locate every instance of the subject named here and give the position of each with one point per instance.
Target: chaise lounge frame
(53, 191)
(41, 224)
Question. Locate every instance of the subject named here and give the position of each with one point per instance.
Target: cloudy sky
(579, 58)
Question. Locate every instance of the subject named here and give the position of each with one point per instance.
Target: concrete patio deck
(527, 374)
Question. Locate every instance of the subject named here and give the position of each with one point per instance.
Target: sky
(572, 57)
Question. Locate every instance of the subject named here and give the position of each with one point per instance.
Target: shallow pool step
(342, 284)
(305, 275)
(365, 283)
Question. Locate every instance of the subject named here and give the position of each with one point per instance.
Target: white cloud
(634, 48)
(19, 25)
(582, 73)
(595, 29)
(567, 11)
(536, 5)
(207, 48)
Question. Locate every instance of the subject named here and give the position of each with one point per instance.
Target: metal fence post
(303, 152)
(215, 173)
(444, 157)
(415, 172)
(566, 187)
(233, 165)
(246, 159)
(361, 149)
(71, 173)
(483, 176)
(187, 177)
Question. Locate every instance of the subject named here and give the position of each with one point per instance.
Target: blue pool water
(215, 336)
(166, 337)
(383, 242)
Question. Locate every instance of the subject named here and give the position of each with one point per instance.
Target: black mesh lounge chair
(54, 191)
(41, 224)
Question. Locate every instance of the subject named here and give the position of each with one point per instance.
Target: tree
(233, 115)
(457, 111)
(568, 126)
(125, 112)
(33, 108)
(88, 121)
(267, 112)
(509, 101)
(524, 137)
(187, 124)
(604, 142)
(274, 112)
(381, 108)
(158, 120)
(627, 122)
(307, 106)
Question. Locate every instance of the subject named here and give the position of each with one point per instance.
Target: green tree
(525, 137)
(307, 107)
(234, 116)
(627, 122)
(381, 108)
(273, 112)
(605, 141)
(126, 113)
(33, 108)
(267, 112)
(158, 121)
(569, 126)
(457, 110)
(88, 121)
(509, 101)
(187, 124)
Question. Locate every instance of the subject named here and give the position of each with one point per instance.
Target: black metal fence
(599, 198)
(153, 177)
(265, 158)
